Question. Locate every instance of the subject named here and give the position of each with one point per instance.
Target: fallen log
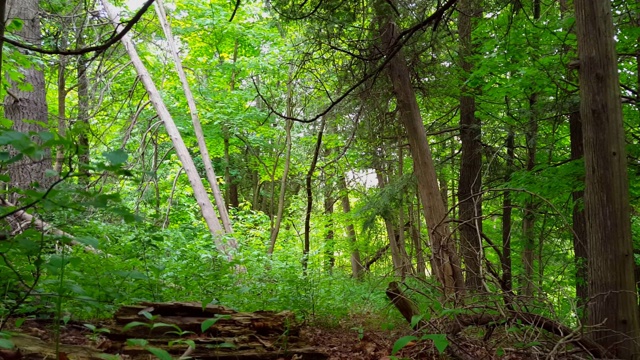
(231, 335)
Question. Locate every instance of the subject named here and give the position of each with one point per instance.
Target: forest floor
(37, 340)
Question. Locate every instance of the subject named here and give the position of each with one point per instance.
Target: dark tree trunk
(357, 270)
(329, 238)
(445, 258)
(507, 279)
(471, 164)
(613, 306)
(83, 110)
(307, 217)
(579, 222)
(30, 105)
(530, 206)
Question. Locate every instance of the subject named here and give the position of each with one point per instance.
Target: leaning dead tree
(195, 119)
(199, 190)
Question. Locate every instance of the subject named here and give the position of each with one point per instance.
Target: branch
(98, 48)
(401, 41)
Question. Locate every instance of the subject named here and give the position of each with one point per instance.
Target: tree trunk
(471, 164)
(62, 109)
(357, 269)
(195, 119)
(231, 198)
(507, 279)
(307, 217)
(529, 218)
(393, 235)
(199, 191)
(578, 225)
(275, 229)
(21, 105)
(283, 189)
(445, 259)
(414, 222)
(613, 306)
(329, 238)
(83, 110)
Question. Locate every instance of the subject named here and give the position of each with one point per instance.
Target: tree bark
(507, 279)
(199, 191)
(471, 163)
(613, 306)
(357, 270)
(307, 217)
(283, 189)
(445, 259)
(83, 110)
(195, 119)
(28, 109)
(329, 237)
(231, 197)
(62, 109)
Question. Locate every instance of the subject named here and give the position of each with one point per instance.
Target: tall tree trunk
(613, 305)
(357, 270)
(414, 222)
(507, 279)
(195, 119)
(275, 228)
(307, 217)
(231, 194)
(62, 109)
(579, 225)
(31, 105)
(471, 164)
(445, 259)
(393, 234)
(83, 110)
(529, 218)
(199, 191)
(329, 237)
(283, 188)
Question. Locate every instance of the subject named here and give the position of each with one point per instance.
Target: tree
(445, 258)
(183, 153)
(25, 103)
(471, 162)
(613, 307)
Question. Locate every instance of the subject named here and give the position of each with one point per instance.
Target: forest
(319, 179)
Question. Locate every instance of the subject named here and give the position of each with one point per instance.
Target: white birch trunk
(199, 191)
(202, 144)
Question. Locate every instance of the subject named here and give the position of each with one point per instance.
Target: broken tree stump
(234, 335)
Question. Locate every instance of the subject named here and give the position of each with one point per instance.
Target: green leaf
(159, 353)
(133, 324)
(6, 344)
(440, 341)
(208, 323)
(137, 342)
(90, 327)
(20, 321)
(89, 241)
(116, 157)
(415, 319)
(161, 324)
(402, 342)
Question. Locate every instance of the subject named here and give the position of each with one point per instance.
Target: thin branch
(98, 48)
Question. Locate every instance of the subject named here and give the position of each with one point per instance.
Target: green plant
(96, 332)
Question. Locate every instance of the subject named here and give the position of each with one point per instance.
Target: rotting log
(235, 335)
